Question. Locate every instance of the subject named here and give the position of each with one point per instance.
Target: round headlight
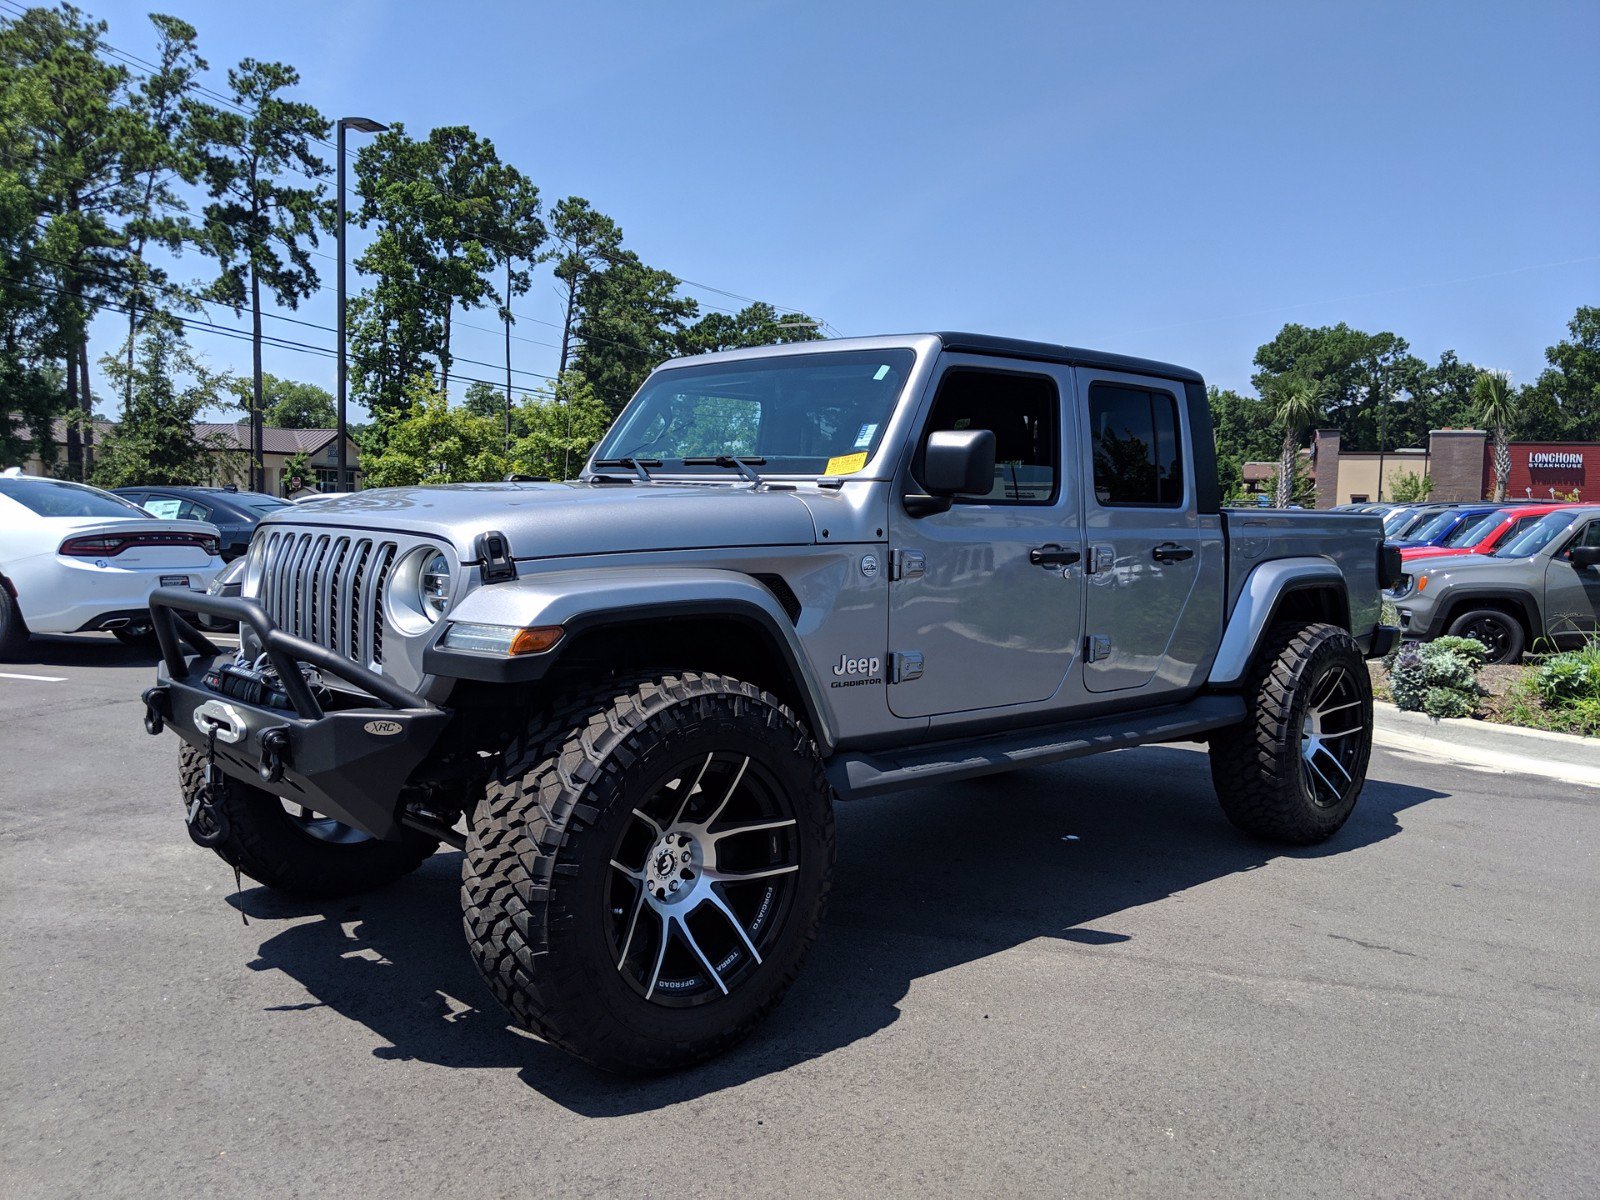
(433, 586)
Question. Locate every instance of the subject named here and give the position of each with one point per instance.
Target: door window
(1021, 411)
(1138, 458)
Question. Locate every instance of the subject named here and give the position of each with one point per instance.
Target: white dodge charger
(75, 559)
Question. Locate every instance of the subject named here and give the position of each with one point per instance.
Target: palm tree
(1295, 402)
(1495, 405)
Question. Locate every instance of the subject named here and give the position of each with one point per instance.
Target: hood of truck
(557, 520)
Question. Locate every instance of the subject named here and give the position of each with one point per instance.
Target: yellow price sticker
(845, 464)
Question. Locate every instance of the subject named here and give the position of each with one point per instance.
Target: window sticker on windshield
(844, 464)
(167, 510)
(864, 438)
(882, 371)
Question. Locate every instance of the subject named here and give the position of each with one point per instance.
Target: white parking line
(34, 678)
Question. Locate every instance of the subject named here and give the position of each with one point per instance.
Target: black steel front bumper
(347, 762)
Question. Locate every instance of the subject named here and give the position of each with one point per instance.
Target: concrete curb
(1489, 746)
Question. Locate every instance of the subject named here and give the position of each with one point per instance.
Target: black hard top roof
(983, 343)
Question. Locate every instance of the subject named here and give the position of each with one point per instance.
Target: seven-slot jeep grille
(328, 588)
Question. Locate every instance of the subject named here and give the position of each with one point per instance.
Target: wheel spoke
(694, 789)
(1342, 733)
(746, 876)
(661, 953)
(1334, 759)
(732, 788)
(753, 827)
(1338, 708)
(721, 905)
(1318, 770)
(633, 924)
(688, 936)
(637, 876)
(649, 820)
(1327, 688)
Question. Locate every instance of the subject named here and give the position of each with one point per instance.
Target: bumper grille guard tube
(283, 650)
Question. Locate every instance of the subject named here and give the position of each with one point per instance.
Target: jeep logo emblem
(857, 666)
(383, 728)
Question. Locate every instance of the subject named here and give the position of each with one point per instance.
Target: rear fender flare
(1260, 600)
(583, 600)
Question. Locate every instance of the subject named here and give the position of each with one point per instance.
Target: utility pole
(364, 125)
(508, 353)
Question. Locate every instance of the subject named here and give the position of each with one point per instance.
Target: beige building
(229, 444)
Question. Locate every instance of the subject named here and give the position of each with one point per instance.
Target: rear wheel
(1292, 770)
(13, 631)
(291, 849)
(644, 878)
(1500, 632)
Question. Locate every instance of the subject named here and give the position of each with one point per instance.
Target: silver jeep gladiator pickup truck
(787, 575)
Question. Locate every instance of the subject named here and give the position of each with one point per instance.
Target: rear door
(1147, 547)
(974, 623)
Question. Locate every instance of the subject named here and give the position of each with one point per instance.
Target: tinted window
(1020, 410)
(1474, 529)
(1138, 461)
(57, 498)
(1535, 537)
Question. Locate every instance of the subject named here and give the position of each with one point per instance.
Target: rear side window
(1138, 459)
(57, 498)
(1021, 411)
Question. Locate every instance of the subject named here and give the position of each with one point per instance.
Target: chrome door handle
(1052, 555)
(1171, 552)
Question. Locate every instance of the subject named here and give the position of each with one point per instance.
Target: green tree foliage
(1408, 487)
(297, 473)
(1563, 404)
(485, 400)
(557, 428)
(1369, 381)
(289, 403)
(259, 224)
(1495, 404)
(757, 324)
(588, 240)
(1295, 403)
(435, 443)
(155, 443)
(631, 318)
(66, 120)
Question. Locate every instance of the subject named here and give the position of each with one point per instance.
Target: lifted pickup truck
(787, 575)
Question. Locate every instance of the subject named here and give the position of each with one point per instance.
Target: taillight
(109, 545)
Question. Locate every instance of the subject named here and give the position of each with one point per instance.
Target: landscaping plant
(1439, 678)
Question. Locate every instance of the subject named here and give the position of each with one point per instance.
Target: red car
(1483, 536)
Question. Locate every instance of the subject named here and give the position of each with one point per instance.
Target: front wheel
(1500, 633)
(1292, 770)
(291, 849)
(645, 875)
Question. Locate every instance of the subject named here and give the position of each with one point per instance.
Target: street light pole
(364, 125)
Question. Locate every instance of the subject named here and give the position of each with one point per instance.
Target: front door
(1572, 594)
(974, 622)
(1146, 545)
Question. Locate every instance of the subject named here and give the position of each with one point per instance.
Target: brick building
(1461, 465)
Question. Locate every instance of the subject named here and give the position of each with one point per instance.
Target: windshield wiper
(636, 465)
(745, 466)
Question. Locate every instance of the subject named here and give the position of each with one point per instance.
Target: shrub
(1440, 678)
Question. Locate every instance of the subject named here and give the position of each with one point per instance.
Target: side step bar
(858, 774)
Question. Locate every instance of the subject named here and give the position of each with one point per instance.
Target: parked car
(75, 559)
(1437, 528)
(234, 513)
(787, 574)
(1540, 587)
(1399, 522)
(1482, 536)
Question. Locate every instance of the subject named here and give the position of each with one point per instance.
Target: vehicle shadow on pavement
(83, 650)
(925, 881)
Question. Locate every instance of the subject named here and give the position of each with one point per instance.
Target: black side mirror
(1584, 557)
(957, 462)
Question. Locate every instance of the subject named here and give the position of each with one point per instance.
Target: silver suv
(787, 576)
(1541, 587)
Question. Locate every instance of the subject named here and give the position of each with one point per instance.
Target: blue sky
(1167, 179)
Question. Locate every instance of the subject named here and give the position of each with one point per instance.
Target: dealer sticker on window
(844, 464)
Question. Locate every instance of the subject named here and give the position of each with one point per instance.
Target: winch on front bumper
(346, 759)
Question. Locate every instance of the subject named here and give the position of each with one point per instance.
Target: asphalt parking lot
(1075, 980)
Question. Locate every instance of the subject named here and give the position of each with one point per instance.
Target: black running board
(857, 774)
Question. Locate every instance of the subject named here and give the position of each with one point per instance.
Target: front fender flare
(591, 598)
(1265, 586)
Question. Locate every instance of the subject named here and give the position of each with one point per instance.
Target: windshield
(1395, 521)
(1473, 529)
(57, 498)
(1536, 536)
(1433, 526)
(1412, 520)
(804, 414)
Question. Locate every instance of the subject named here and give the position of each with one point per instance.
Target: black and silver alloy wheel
(1501, 633)
(1331, 735)
(1292, 770)
(643, 878)
(704, 874)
